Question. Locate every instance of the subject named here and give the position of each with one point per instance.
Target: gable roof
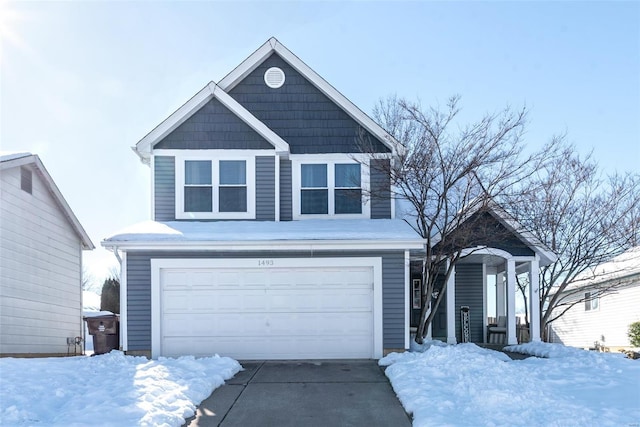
(619, 268)
(274, 46)
(13, 160)
(144, 147)
(547, 256)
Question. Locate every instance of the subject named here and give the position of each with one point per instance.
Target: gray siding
(380, 189)
(164, 188)
(286, 209)
(265, 188)
(214, 127)
(300, 114)
(469, 292)
(139, 289)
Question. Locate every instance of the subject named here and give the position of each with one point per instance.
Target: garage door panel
(279, 313)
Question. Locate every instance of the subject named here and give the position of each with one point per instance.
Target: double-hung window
(591, 301)
(215, 189)
(330, 188)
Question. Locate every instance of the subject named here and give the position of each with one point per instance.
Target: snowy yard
(107, 390)
(462, 385)
(465, 385)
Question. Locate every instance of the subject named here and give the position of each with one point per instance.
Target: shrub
(634, 334)
(110, 298)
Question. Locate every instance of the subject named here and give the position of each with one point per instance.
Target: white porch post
(451, 307)
(500, 295)
(534, 300)
(511, 302)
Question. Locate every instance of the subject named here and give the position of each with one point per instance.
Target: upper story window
(591, 302)
(215, 189)
(328, 188)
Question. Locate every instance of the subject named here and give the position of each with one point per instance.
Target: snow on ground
(107, 390)
(465, 385)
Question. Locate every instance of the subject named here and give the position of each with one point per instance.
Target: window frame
(297, 160)
(215, 158)
(591, 303)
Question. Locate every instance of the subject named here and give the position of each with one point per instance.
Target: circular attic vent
(274, 77)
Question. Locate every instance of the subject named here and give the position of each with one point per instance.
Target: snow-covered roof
(15, 159)
(621, 267)
(223, 233)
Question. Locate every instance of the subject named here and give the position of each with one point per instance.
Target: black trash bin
(105, 330)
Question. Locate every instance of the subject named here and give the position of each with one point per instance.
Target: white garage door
(267, 309)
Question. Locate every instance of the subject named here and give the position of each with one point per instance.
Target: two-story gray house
(267, 241)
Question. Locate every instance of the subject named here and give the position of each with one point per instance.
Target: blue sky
(81, 83)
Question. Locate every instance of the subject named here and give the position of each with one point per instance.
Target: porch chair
(498, 332)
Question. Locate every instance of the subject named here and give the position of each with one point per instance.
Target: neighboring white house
(603, 316)
(41, 244)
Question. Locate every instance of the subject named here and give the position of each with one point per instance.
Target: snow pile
(107, 390)
(426, 345)
(466, 385)
(543, 349)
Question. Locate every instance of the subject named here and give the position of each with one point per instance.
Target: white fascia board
(281, 146)
(302, 245)
(144, 147)
(273, 45)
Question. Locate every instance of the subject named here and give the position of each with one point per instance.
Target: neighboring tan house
(609, 301)
(265, 242)
(41, 244)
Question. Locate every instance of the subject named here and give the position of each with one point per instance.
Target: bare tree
(582, 216)
(447, 174)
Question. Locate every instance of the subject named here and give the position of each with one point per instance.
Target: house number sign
(265, 263)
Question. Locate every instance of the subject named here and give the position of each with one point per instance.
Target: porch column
(511, 302)
(534, 300)
(451, 307)
(500, 295)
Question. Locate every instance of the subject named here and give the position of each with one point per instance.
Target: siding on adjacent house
(40, 274)
(469, 292)
(380, 189)
(581, 328)
(300, 114)
(286, 209)
(139, 289)
(214, 127)
(164, 189)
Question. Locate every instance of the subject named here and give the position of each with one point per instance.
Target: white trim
(273, 45)
(407, 299)
(512, 338)
(281, 245)
(451, 306)
(144, 147)
(124, 335)
(534, 301)
(213, 154)
(330, 160)
(152, 165)
(484, 302)
(215, 158)
(158, 263)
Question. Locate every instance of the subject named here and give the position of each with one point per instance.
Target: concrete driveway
(304, 393)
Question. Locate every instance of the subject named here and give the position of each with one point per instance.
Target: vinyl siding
(164, 188)
(300, 114)
(40, 270)
(286, 207)
(214, 127)
(380, 189)
(469, 292)
(265, 188)
(611, 320)
(139, 289)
